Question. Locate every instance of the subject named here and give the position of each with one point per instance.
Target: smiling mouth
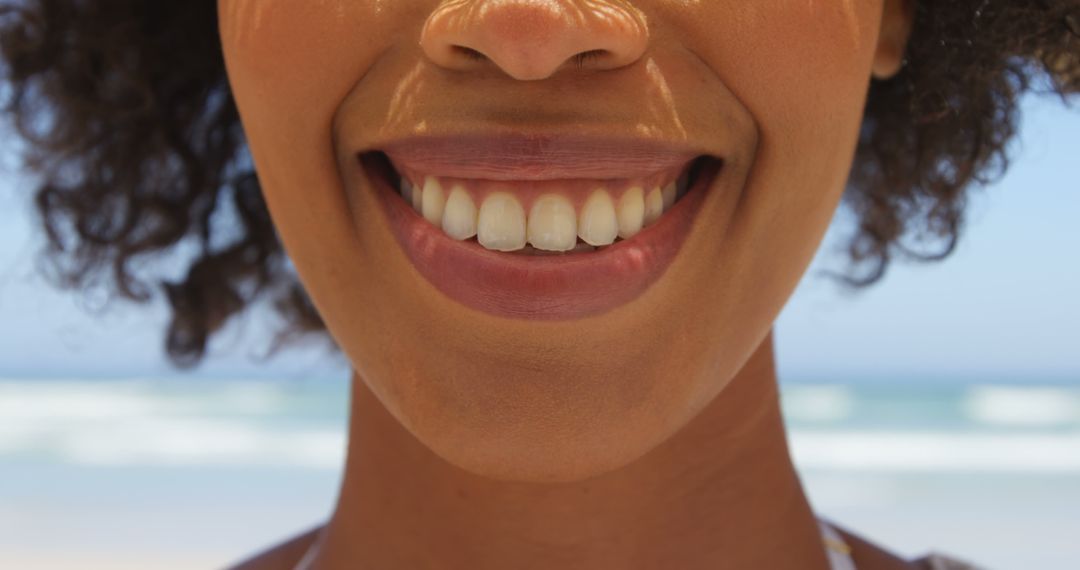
(539, 217)
(528, 233)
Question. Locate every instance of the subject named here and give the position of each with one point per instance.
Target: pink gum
(528, 191)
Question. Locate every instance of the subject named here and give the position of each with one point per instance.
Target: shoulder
(868, 555)
(282, 556)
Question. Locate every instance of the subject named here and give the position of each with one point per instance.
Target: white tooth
(459, 216)
(597, 223)
(552, 223)
(417, 199)
(433, 202)
(631, 212)
(406, 189)
(501, 223)
(654, 205)
(669, 195)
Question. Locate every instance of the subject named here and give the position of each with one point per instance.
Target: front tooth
(433, 202)
(631, 212)
(597, 224)
(406, 189)
(654, 205)
(417, 199)
(669, 195)
(552, 223)
(459, 216)
(501, 224)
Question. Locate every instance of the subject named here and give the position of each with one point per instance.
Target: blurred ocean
(196, 473)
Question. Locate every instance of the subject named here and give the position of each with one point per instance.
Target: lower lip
(550, 288)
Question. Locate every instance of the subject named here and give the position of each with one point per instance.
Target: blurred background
(937, 410)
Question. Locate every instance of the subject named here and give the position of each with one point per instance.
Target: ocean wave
(83, 401)
(188, 441)
(903, 451)
(150, 423)
(176, 442)
(818, 403)
(1023, 406)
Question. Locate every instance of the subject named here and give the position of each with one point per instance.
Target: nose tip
(532, 39)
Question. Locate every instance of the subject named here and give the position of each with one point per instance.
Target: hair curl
(130, 127)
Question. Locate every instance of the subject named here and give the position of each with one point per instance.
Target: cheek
(270, 47)
(290, 65)
(286, 103)
(801, 68)
(802, 71)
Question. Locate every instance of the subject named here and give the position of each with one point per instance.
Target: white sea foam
(188, 441)
(936, 451)
(146, 423)
(824, 402)
(1012, 406)
(263, 424)
(75, 400)
(72, 401)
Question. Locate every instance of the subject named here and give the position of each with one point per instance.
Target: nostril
(533, 39)
(594, 55)
(468, 53)
(579, 61)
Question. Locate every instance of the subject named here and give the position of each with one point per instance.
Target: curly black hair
(135, 142)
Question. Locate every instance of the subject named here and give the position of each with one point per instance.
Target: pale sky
(1005, 306)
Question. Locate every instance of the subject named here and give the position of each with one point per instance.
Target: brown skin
(647, 437)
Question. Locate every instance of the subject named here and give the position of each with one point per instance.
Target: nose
(532, 39)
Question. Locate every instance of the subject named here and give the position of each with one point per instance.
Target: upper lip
(537, 156)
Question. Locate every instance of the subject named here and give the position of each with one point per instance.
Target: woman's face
(583, 369)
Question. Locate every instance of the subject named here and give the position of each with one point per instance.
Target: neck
(720, 494)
